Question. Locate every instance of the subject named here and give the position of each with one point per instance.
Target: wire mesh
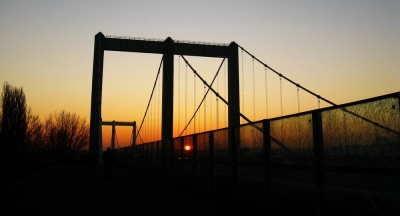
(362, 134)
(372, 140)
(251, 143)
(292, 140)
(221, 152)
(203, 147)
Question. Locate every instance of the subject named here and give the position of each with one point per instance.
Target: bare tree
(34, 134)
(14, 122)
(66, 133)
(1, 123)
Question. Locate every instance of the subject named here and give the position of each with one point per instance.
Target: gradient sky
(341, 50)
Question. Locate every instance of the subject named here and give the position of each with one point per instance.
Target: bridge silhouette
(316, 156)
(336, 160)
(169, 48)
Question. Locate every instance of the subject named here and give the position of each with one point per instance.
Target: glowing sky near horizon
(342, 50)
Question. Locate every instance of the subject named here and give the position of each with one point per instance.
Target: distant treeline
(22, 132)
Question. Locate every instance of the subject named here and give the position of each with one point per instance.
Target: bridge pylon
(168, 48)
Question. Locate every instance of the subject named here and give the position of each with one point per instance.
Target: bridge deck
(80, 189)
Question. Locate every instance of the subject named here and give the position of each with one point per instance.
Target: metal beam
(116, 123)
(157, 47)
(202, 50)
(127, 45)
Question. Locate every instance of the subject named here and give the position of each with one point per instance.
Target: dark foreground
(80, 189)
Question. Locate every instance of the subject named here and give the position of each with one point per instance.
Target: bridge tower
(168, 48)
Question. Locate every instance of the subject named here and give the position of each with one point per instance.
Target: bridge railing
(338, 159)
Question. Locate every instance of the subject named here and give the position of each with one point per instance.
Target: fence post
(319, 162)
(396, 148)
(234, 149)
(155, 159)
(211, 161)
(162, 146)
(267, 164)
(171, 157)
(158, 158)
(125, 156)
(135, 157)
(182, 145)
(151, 158)
(142, 157)
(148, 158)
(194, 141)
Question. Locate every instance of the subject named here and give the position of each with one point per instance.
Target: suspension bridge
(221, 136)
(224, 101)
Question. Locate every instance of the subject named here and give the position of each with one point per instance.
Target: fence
(337, 160)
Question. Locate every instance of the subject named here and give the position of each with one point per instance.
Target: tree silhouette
(66, 133)
(34, 134)
(13, 120)
(22, 132)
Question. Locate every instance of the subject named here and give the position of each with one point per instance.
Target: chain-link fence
(337, 160)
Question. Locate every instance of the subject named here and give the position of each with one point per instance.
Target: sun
(187, 147)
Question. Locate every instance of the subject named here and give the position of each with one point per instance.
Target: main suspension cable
(138, 135)
(204, 97)
(318, 96)
(282, 76)
(151, 96)
(216, 93)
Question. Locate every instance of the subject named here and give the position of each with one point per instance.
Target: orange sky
(343, 51)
